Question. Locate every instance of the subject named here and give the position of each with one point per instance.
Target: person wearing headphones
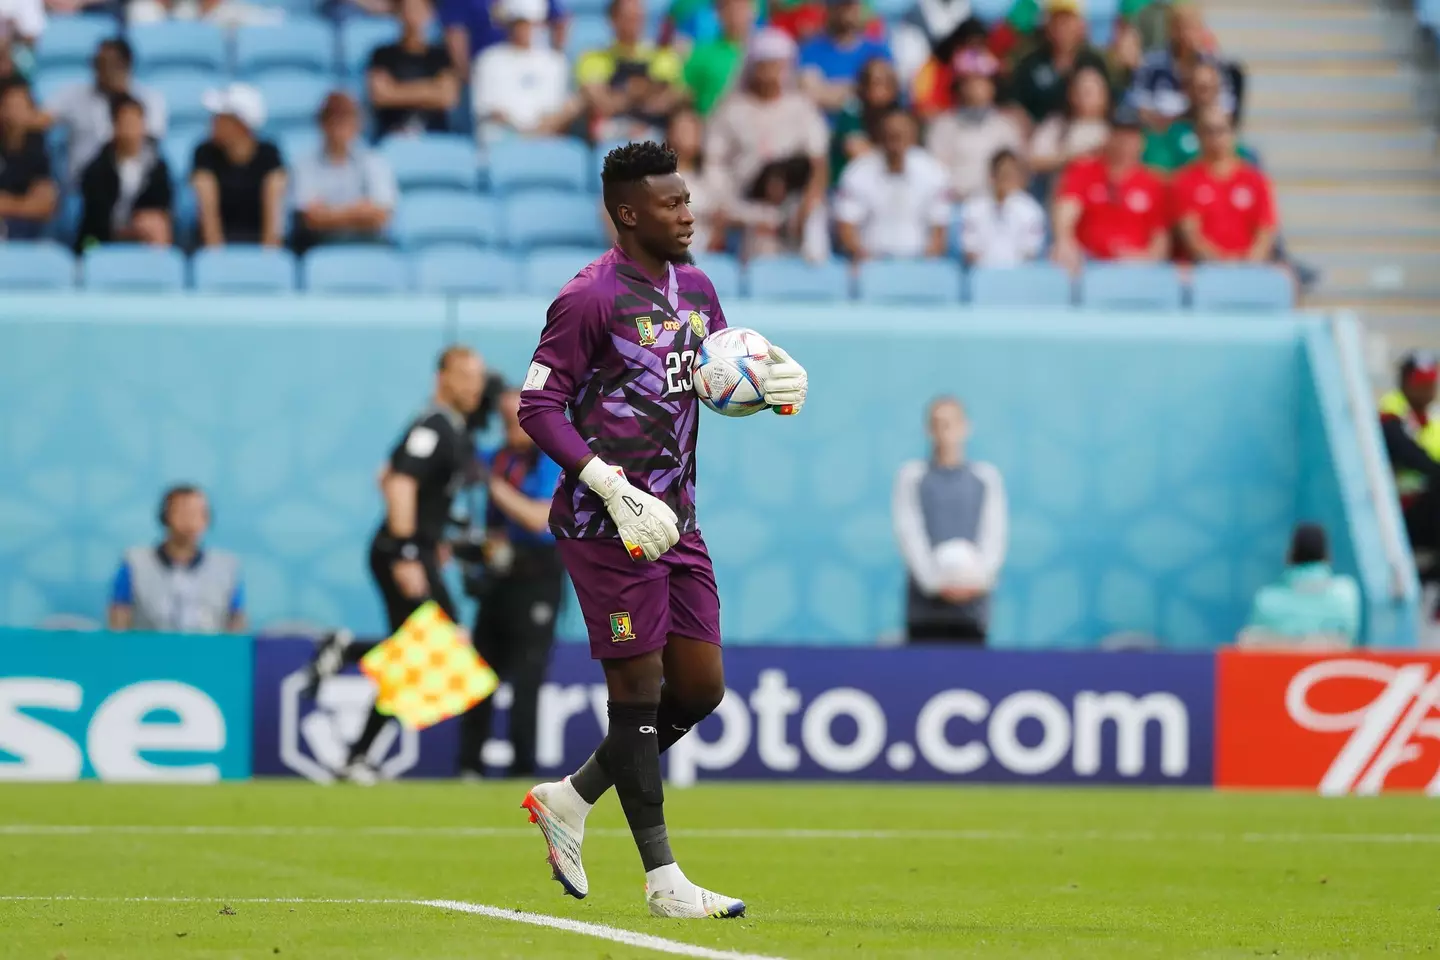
(178, 586)
(1411, 429)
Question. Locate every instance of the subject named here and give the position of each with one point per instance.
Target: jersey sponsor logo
(1352, 724)
(697, 323)
(537, 376)
(646, 328)
(620, 629)
(672, 325)
(421, 442)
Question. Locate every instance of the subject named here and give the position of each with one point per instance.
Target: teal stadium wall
(1155, 464)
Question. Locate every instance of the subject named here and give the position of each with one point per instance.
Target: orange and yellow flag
(426, 672)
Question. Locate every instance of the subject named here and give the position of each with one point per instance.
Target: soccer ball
(730, 371)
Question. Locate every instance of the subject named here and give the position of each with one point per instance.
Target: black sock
(631, 752)
(673, 720)
(373, 725)
(353, 653)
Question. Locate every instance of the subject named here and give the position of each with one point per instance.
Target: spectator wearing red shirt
(1110, 207)
(1225, 205)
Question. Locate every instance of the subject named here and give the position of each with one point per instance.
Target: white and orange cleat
(560, 814)
(670, 894)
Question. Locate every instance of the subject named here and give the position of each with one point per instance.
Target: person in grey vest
(178, 587)
(952, 523)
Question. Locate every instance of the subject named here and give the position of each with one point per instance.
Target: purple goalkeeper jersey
(617, 353)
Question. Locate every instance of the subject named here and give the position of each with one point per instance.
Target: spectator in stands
(952, 524)
(830, 62)
(21, 24)
(179, 586)
(474, 26)
(894, 201)
(1004, 226)
(126, 187)
(631, 87)
(1110, 207)
(27, 186)
(1225, 206)
(1125, 55)
(1312, 606)
(344, 192)
(771, 144)
(520, 86)
(239, 179)
(1041, 78)
(857, 128)
(223, 13)
(1412, 440)
(8, 70)
(934, 87)
(964, 140)
(1159, 88)
(412, 84)
(84, 109)
(1080, 131)
(685, 135)
(928, 34)
(1172, 144)
(713, 65)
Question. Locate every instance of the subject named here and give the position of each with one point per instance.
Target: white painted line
(615, 934)
(630, 938)
(977, 836)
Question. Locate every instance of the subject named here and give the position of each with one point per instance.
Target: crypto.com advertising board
(817, 713)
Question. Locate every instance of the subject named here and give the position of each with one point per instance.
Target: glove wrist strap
(604, 479)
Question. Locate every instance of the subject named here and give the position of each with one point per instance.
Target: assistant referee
(426, 469)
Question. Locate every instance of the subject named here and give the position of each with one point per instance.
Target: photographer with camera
(514, 572)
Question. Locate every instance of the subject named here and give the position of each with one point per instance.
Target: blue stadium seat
(71, 41)
(42, 265)
(1126, 286)
(300, 43)
(434, 160)
(547, 269)
(52, 81)
(298, 143)
(66, 222)
(910, 281)
(533, 218)
(587, 8)
(128, 268)
(587, 33)
(724, 273)
(559, 162)
(359, 38)
(178, 43)
(1031, 285)
(1241, 287)
(243, 269)
(991, 11)
(292, 98)
(462, 269)
(356, 269)
(790, 278)
(429, 217)
(183, 90)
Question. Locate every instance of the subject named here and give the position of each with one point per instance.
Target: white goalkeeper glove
(647, 526)
(786, 383)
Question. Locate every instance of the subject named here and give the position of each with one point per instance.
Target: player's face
(663, 222)
(463, 381)
(189, 517)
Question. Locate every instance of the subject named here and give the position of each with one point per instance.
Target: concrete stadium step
(1388, 241)
(1362, 123)
(1389, 92)
(1409, 140)
(1381, 181)
(1354, 168)
(1359, 197)
(1321, 63)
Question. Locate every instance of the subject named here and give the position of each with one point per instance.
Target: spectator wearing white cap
(521, 86)
(894, 201)
(770, 145)
(965, 139)
(239, 179)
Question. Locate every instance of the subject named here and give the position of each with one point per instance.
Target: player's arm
(418, 456)
(528, 512)
(909, 521)
(1066, 217)
(121, 614)
(993, 532)
(236, 620)
(1262, 249)
(574, 331)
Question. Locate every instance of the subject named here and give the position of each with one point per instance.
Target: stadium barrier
(192, 709)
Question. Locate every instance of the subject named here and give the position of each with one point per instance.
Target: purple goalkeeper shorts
(632, 606)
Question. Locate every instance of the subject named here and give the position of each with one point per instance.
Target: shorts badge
(646, 327)
(697, 323)
(620, 629)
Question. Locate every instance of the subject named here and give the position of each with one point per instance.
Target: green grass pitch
(827, 871)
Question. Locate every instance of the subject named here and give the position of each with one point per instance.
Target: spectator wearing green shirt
(877, 91)
(1042, 76)
(714, 65)
(1176, 144)
(1311, 606)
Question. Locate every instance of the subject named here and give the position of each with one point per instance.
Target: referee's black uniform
(437, 453)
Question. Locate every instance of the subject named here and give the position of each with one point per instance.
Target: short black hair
(999, 157)
(452, 352)
(630, 164)
(1309, 544)
(120, 101)
(121, 46)
(168, 498)
(12, 84)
